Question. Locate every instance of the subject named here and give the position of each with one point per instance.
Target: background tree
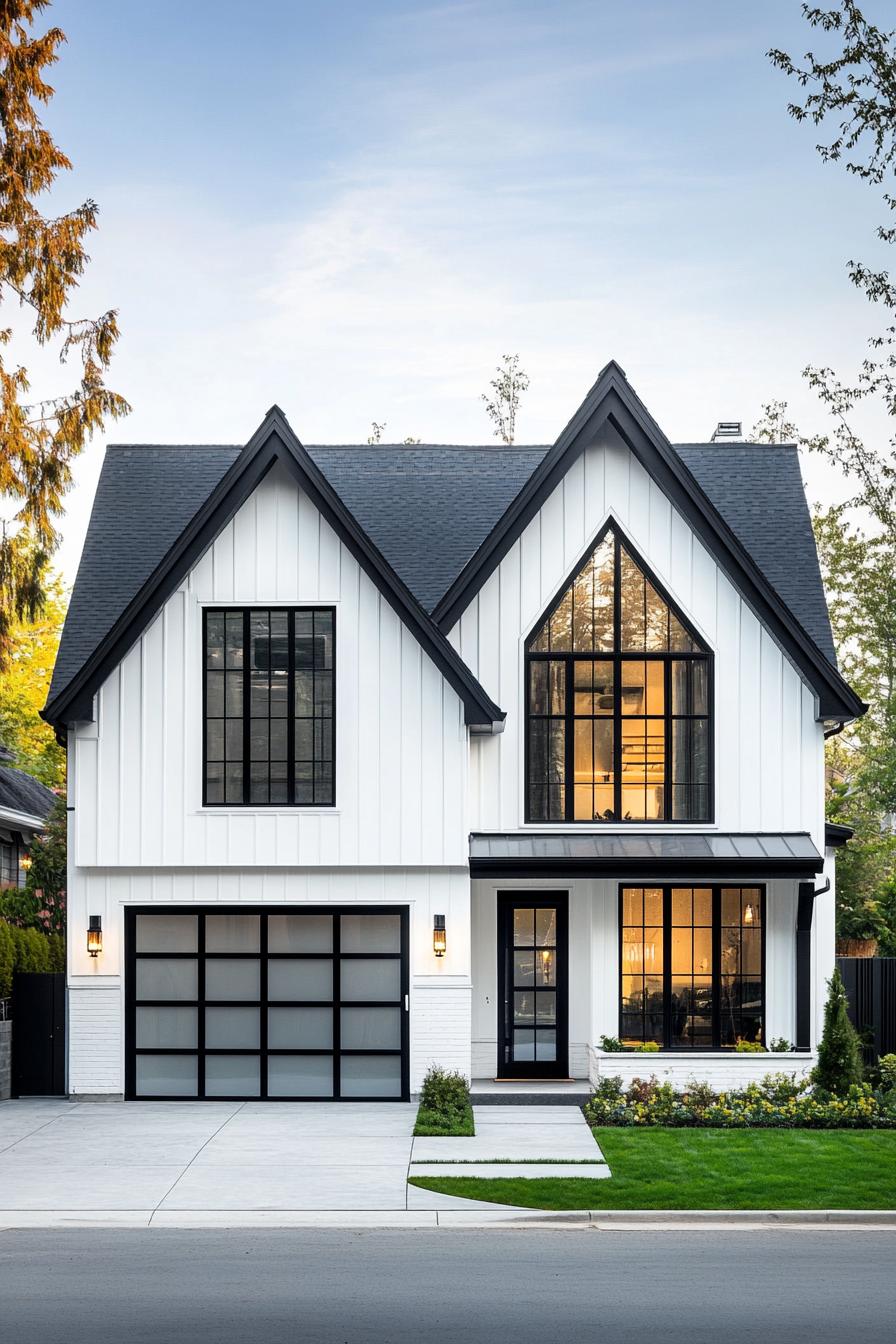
(850, 93)
(24, 683)
(507, 388)
(41, 259)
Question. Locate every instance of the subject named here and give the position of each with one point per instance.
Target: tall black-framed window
(691, 966)
(619, 700)
(269, 702)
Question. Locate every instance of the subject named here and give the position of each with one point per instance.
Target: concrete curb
(413, 1219)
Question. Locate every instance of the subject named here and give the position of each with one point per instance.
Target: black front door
(532, 989)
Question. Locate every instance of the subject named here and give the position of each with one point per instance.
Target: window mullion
(569, 733)
(247, 659)
(667, 967)
(716, 967)
(290, 707)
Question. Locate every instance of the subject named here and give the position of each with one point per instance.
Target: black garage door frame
(265, 957)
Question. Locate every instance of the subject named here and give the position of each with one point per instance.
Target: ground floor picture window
(293, 1003)
(692, 966)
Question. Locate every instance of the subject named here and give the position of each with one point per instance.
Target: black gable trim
(613, 401)
(274, 441)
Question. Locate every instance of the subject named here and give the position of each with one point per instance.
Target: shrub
(611, 1043)
(839, 1054)
(56, 946)
(887, 1066)
(778, 1101)
(444, 1092)
(744, 1047)
(642, 1090)
(780, 1045)
(647, 1048)
(7, 959)
(32, 951)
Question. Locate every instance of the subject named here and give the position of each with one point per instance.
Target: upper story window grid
(269, 706)
(619, 700)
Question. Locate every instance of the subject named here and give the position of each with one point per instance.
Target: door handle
(407, 1003)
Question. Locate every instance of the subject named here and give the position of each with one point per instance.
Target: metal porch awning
(649, 857)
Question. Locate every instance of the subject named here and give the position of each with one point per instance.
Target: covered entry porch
(685, 942)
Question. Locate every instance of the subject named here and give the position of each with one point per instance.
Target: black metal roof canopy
(646, 857)
(273, 442)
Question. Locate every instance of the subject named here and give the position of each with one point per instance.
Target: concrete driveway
(221, 1156)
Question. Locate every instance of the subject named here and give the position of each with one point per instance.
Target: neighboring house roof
(23, 796)
(273, 443)
(441, 516)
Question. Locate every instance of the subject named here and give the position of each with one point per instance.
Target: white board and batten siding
(401, 742)
(769, 749)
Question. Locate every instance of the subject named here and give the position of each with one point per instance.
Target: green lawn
(434, 1124)
(712, 1169)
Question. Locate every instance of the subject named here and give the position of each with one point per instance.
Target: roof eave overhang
(613, 401)
(273, 442)
(646, 870)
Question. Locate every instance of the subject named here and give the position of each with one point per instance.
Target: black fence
(38, 1035)
(871, 988)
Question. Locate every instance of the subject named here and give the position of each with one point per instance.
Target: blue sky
(353, 209)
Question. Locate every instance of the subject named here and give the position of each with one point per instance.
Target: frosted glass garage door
(292, 1005)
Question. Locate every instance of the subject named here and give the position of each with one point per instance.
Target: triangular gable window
(619, 695)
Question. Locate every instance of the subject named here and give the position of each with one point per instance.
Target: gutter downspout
(804, 911)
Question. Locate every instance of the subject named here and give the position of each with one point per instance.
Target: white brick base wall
(95, 1041)
(722, 1069)
(440, 1029)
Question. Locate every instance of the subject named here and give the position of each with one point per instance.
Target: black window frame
(716, 888)
(618, 658)
(246, 613)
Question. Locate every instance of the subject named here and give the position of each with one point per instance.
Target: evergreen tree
(42, 257)
(839, 1054)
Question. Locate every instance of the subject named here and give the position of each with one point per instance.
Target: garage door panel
(295, 1003)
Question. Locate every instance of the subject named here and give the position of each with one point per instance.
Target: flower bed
(777, 1101)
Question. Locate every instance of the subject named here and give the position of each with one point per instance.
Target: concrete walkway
(515, 1141)
(169, 1158)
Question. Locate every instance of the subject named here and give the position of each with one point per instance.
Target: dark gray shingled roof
(22, 793)
(427, 507)
(758, 490)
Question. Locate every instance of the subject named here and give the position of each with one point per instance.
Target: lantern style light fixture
(439, 938)
(95, 935)
(25, 861)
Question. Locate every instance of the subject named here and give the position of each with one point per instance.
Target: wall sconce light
(25, 862)
(439, 938)
(95, 935)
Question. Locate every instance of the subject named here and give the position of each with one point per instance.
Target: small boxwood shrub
(778, 1101)
(444, 1104)
(887, 1066)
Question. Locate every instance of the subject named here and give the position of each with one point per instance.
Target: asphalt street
(519, 1285)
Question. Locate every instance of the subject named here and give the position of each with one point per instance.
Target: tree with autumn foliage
(42, 257)
(24, 684)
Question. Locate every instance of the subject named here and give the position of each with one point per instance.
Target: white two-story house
(380, 756)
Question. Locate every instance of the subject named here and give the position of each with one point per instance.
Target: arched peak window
(619, 700)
